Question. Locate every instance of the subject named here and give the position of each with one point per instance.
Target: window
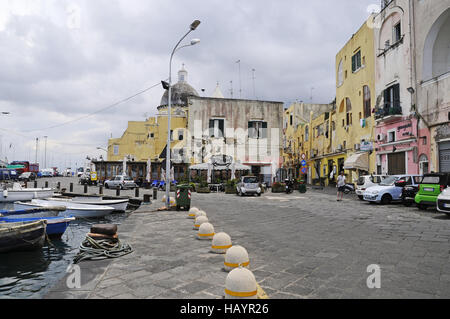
(152, 135)
(216, 128)
(348, 108)
(290, 120)
(392, 97)
(180, 135)
(116, 149)
(257, 129)
(367, 102)
(397, 32)
(356, 62)
(391, 136)
(306, 133)
(340, 74)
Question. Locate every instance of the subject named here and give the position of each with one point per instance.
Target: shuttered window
(216, 128)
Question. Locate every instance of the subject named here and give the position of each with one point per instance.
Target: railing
(387, 110)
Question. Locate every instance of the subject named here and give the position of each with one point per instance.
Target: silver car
(248, 185)
(120, 181)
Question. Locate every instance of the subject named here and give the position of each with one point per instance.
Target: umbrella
(209, 172)
(163, 174)
(233, 171)
(124, 167)
(149, 170)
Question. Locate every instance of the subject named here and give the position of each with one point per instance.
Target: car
(248, 185)
(430, 188)
(443, 201)
(120, 181)
(408, 194)
(387, 191)
(27, 176)
(367, 181)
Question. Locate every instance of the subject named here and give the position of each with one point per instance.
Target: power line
(96, 112)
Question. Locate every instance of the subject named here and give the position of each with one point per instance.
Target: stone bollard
(35, 184)
(46, 184)
(192, 212)
(200, 220)
(100, 189)
(71, 187)
(118, 191)
(236, 256)
(146, 199)
(58, 186)
(220, 243)
(155, 193)
(241, 284)
(200, 213)
(205, 231)
(85, 188)
(136, 192)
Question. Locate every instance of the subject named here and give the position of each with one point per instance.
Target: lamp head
(194, 25)
(195, 41)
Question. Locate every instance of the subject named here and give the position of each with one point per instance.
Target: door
(444, 157)
(396, 164)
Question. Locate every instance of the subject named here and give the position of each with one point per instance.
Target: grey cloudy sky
(65, 59)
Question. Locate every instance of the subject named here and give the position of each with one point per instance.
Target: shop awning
(358, 161)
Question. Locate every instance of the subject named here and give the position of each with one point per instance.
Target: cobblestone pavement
(300, 246)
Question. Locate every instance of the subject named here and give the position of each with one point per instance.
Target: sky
(65, 65)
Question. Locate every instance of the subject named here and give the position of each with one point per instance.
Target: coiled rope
(101, 249)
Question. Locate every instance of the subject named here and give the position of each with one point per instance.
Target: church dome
(180, 91)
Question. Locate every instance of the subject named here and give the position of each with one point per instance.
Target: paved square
(300, 246)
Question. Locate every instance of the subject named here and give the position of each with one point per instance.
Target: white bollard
(236, 256)
(200, 220)
(241, 284)
(220, 243)
(192, 212)
(200, 213)
(205, 231)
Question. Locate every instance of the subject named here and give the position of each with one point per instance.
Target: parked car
(408, 194)
(431, 186)
(443, 201)
(367, 181)
(248, 185)
(387, 191)
(120, 181)
(27, 176)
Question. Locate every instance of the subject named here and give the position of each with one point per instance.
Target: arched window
(340, 75)
(367, 102)
(436, 55)
(306, 133)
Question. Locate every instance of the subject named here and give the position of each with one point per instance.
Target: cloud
(62, 60)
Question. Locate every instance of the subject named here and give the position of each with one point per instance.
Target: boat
(56, 226)
(22, 235)
(51, 211)
(72, 209)
(19, 193)
(117, 204)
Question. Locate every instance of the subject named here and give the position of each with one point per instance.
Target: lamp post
(192, 27)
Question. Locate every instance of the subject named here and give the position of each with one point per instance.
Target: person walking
(340, 186)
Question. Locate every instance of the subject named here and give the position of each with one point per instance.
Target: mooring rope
(101, 249)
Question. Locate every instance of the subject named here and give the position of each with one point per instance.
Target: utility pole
(240, 87)
(231, 89)
(253, 78)
(45, 153)
(37, 141)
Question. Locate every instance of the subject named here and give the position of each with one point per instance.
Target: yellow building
(355, 100)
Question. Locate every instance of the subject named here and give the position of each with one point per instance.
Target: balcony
(388, 112)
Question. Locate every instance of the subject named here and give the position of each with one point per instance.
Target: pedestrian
(340, 186)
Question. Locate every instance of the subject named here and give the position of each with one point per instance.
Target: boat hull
(24, 211)
(56, 226)
(72, 209)
(22, 236)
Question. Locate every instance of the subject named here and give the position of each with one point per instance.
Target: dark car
(27, 176)
(408, 194)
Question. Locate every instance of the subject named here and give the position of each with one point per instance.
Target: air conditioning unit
(381, 137)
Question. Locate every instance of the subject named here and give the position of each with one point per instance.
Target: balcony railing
(388, 109)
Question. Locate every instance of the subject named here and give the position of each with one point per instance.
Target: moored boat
(18, 193)
(72, 209)
(56, 226)
(20, 212)
(22, 235)
(117, 204)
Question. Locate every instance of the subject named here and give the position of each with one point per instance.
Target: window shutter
(211, 128)
(251, 129)
(396, 89)
(263, 130)
(221, 128)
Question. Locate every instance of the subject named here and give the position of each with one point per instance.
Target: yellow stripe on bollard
(221, 247)
(236, 265)
(240, 294)
(204, 235)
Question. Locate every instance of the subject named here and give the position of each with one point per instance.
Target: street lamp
(192, 27)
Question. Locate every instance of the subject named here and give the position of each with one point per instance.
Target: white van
(367, 181)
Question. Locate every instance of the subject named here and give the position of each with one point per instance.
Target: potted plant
(203, 187)
(230, 187)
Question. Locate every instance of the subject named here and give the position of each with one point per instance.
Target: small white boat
(117, 204)
(72, 209)
(18, 193)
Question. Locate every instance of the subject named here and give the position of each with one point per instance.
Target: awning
(358, 161)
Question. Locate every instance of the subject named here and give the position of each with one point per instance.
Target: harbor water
(30, 274)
